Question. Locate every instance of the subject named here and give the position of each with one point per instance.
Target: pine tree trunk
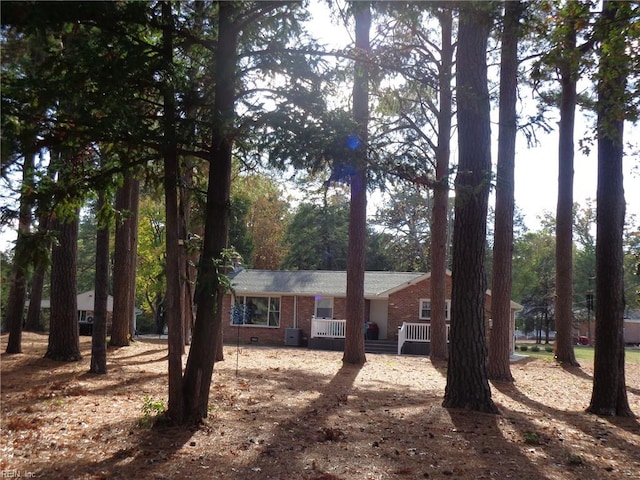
(33, 322)
(101, 295)
(564, 212)
(220, 339)
(467, 383)
(185, 268)
(64, 337)
(209, 292)
(18, 291)
(439, 220)
(124, 269)
(609, 395)
(173, 258)
(355, 306)
(355, 302)
(34, 318)
(500, 336)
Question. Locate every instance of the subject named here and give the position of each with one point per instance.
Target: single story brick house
(280, 307)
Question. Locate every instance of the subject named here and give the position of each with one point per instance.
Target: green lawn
(632, 355)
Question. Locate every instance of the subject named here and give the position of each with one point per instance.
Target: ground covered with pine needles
(292, 413)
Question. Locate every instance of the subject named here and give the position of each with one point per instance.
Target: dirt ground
(291, 413)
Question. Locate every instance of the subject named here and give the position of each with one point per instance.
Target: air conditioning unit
(292, 337)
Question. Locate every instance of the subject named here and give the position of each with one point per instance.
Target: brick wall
(404, 306)
(269, 335)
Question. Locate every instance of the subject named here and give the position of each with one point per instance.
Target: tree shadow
(129, 359)
(325, 415)
(573, 370)
(298, 428)
(635, 391)
(440, 366)
(145, 454)
(585, 422)
(504, 458)
(630, 424)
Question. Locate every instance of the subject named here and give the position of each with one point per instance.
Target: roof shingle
(318, 282)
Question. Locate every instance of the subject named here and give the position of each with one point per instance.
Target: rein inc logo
(17, 474)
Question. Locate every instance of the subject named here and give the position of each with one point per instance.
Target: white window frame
(428, 300)
(315, 306)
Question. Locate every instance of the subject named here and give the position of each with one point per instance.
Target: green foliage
(150, 277)
(5, 284)
(259, 217)
(531, 438)
(534, 277)
(86, 252)
(239, 235)
(151, 410)
(317, 237)
(405, 218)
(535, 348)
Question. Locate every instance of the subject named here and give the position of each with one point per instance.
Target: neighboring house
(86, 303)
(295, 307)
(631, 327)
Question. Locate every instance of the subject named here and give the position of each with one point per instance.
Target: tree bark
(439, 220)
(355, 302)
(34, 320)
(124, 269)
(467, 383)
(18, 291)
(609, 395)
(186, 292)
(64, 337)
(101, 295)
(173, 307)
(500, 335)
(564, 211)
(209, 291)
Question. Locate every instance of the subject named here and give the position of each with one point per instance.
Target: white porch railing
(327, 328)
(415, 332)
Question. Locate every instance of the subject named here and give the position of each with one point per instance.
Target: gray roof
(319, 282)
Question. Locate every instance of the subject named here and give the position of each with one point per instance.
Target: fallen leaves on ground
(292, 413)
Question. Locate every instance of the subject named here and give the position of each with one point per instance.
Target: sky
(536, 175)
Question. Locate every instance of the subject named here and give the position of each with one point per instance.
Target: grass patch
(632, 355)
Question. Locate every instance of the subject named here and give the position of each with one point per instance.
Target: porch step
(388, 347)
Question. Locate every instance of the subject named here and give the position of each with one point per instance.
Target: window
(324, 307)
(256, 311)
(425, 309)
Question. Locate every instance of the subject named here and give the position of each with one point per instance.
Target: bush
(524, 348)
(535, 348)
(146, 324)
(151, 411)
(548, 348)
